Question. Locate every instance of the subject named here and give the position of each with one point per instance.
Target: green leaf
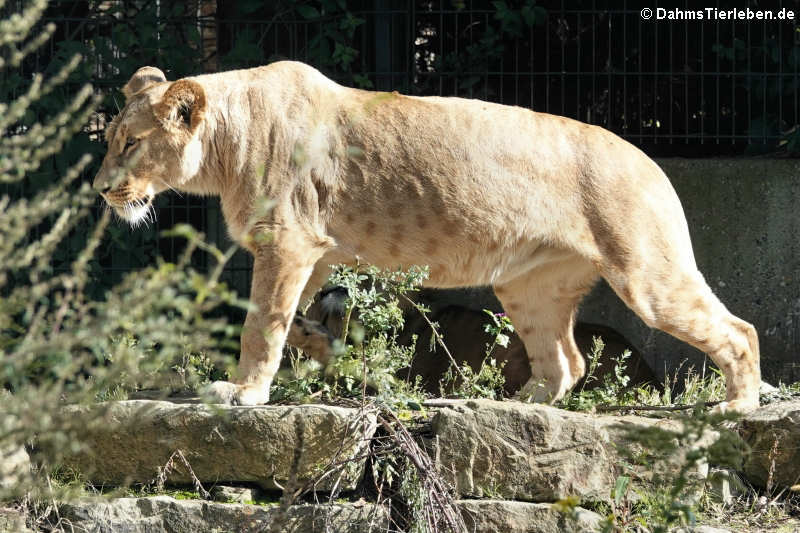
(621, 488)
(363, 82)
(307, 12)
(540, 15)
(249, 6)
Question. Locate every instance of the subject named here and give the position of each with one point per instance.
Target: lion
(537, 206)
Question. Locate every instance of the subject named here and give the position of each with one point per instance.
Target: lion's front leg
(280, 271)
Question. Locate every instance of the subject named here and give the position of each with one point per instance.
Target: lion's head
(153, 144)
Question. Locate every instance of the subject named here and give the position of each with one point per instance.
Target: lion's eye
(129, 143)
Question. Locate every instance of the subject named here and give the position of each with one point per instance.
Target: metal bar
(563, 60)
(671, 97)
(531, 77)
(624, 73)
(687, 127)
(764, 117)
(717, 102)
(702, 111)
(780, 76)
(609, 68)
(547, 69)
(749, 83)
(656, 114)
(592, 118)
(578, 66)
(733, 84)
(441, 47)
(640, 116)
(383, 48)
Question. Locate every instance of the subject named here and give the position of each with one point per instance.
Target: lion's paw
(227, 393)
(534, 391)
(735, 406)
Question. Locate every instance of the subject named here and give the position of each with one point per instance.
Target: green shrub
(58, 345)
(369, 356)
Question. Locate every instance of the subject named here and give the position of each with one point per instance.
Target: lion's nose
(102, 188)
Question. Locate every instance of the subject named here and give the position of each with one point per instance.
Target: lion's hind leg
(542, 305)
(677, 300)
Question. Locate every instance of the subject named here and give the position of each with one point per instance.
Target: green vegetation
(58, 343)
(370, 361)
(462, 381)
(683, 388)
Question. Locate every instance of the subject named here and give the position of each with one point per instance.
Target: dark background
(674, 88)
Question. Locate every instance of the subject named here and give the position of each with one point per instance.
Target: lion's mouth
(136, 208)
(136, 211)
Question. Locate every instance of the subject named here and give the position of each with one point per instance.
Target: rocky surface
(492, 516)
(226, 494)
(724, 485)
(165, 514)
(12, 521)
(273, 446)
(772, 433)
(700, 529)
(15, 466)
(536, 452)
(15, 463)
(522, 457)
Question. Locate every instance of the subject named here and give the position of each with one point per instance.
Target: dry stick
(437, 490)
(771, 473)
(161, 477)
(604, 408)
(346, 323)
(364, 378)
(53, 502)
(439, 338)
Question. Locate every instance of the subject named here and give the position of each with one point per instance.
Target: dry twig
(607, 408)
(441, 505)
(161, 478)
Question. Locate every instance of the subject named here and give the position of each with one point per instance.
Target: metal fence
(673, 87)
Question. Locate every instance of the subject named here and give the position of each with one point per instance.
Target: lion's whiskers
(139, 211)
(170, 187)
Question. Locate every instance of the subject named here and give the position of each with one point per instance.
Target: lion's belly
(458, 254)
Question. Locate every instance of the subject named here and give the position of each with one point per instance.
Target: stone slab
(531, 452)
(493, 516)
(159, 514)
(273, 446)
(12, 520)
(772, 427)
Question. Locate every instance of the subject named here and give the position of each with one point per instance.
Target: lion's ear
(142, 79)
(184, 101)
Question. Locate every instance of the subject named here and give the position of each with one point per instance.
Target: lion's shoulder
(285, 73)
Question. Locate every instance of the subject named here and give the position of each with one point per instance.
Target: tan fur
(141, 79)
(536, 205)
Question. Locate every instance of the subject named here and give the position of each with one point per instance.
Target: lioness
(535, 205)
